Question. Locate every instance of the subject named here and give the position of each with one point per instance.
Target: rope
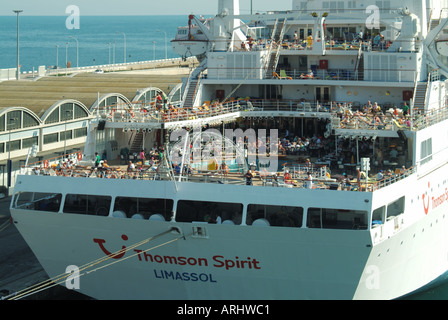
(59, 279)
(5, 225)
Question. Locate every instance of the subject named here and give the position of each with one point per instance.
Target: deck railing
(70, 166)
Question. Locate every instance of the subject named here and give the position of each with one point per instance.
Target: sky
(133, 7)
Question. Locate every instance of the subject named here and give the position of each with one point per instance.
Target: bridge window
(426, 151)
(379, 215)
(145, 207)
(336, 219)
(210, 212)
(87, 204)
(38, 201)
(395, 208)
(276, 216)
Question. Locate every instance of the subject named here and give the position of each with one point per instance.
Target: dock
(19, 267)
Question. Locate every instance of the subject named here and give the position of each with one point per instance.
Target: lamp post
(166, 47)
(57, 57)
(66, 57)
(124, 34)
(109, 43)
(154, 50)
(9, 166)
(68, 113)
(77, 50)
(18, 59)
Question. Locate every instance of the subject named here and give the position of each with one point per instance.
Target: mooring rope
(5, 225)
(59, 279)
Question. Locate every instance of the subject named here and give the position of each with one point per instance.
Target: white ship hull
(242, 262)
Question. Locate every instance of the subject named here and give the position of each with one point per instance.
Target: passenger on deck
(347, 184)
(249, 177)
(379, 175)
(309, 181)
(358, 178)
(393, 154)
(97, 159)
(131, 166)
(142, 156)
(287, 177)
(224, 168)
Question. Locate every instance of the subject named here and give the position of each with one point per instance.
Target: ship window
(276, 216)
(207, 211)
(426, 151)
(378, 215)
(146, 207)
(87, 204)
(38, 201)
(395, 208)
(336, 219)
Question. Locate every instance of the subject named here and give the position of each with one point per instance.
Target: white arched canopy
(110, 100)
(147, 96)
(64, 110)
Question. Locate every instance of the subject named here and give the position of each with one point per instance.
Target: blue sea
(40, 35)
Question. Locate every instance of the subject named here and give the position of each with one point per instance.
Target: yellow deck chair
(283, 75)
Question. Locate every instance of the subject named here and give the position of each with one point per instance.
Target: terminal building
(52, 113)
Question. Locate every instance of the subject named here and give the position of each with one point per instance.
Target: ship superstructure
(225, 203)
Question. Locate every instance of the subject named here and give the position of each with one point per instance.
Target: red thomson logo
(426, 203)
(118, 255)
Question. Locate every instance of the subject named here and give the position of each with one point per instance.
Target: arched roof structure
(175, 95)
(147, 94)
(110, 99)
(66, 109)
(14, 118)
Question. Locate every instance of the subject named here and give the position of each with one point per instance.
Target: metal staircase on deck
(189, 97)
(277, 37)
(137, 143)
(420, 96)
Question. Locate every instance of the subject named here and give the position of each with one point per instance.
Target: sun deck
(293, 176)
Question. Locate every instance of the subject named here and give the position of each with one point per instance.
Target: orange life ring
(79, 156)
(46, 164)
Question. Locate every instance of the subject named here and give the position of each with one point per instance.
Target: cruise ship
(307, 159)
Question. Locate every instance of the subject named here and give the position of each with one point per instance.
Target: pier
(20, 268)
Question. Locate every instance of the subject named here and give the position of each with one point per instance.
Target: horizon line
(104, 15)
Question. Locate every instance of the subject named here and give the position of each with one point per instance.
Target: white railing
(117, 66)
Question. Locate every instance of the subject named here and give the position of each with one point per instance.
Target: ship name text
(437, 201)
(217, 261)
